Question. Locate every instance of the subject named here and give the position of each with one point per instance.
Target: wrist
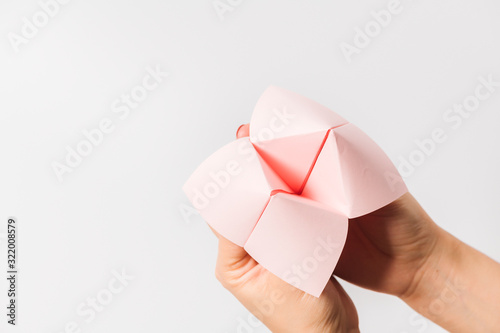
(457, 287)
(437, 283)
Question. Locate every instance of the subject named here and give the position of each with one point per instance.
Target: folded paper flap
(325, 183)
(280, 113)
(230, 190)
(299, 240)
(292, 157)
(353, 174)
(371, 180)
(274, 179)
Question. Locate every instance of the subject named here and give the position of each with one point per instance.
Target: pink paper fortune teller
(286, 193)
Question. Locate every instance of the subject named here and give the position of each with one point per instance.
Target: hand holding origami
(285, 219)
(286, 193)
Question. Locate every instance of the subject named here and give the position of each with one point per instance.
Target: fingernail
(238, 130)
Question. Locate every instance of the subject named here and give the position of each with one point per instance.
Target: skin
(397, 250)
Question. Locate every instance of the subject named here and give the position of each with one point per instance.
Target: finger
(243, 131)
(229, 253)
(353, 320)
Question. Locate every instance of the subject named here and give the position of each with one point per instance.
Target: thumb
(230, 254)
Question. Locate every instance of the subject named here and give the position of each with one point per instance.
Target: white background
(121, 207)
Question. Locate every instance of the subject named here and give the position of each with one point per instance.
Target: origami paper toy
(286, 192)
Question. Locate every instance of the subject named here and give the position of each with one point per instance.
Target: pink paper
(286, 193)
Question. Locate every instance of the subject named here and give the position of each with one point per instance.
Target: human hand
(398, 250)
(388, 250)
